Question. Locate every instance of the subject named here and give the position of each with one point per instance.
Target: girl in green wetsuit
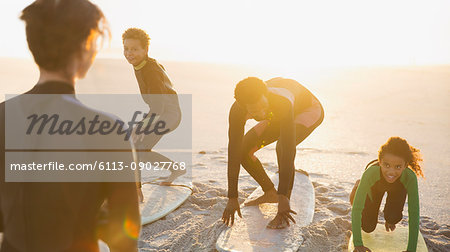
(395, 172)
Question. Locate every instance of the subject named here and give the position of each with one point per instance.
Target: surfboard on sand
(382, 241)
(250, 232)
(102, 246)
(161, 200)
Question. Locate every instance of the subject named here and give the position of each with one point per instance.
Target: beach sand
(363, 107)
(196, 224)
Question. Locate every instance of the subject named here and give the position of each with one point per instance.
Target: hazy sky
(296, 33)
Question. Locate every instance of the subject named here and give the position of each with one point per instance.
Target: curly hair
(139, 34)
(58, 29)
(400, 147)
(249, 90)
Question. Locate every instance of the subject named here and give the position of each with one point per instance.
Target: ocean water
(363, 108)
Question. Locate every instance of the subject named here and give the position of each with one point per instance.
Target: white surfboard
(382, 241)
(250, 232)
(102, 246)
(161, 200)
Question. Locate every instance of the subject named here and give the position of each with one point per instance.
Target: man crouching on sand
(287, 112)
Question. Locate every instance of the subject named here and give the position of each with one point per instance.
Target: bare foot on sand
(268, 197)
(173, 175)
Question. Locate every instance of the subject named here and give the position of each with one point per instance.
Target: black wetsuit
(56, 216)
(157, 91)
(294, 113)
(152, 79)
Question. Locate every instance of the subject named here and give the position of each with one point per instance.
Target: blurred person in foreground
(62, 36)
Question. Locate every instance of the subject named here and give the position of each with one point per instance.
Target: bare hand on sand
(389, 227)
(361, 249)
(230, 209)
(283, 216)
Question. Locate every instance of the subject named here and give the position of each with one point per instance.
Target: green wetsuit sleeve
(236, 122)
(368, 179)
(409, 180)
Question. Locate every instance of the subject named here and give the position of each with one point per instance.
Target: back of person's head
(400, 147)
(59, 29)
(138, 34)
(250, 90)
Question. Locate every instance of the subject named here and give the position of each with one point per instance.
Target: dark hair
(139, 34)
(249, 90)
(400, 147)
(58, 29)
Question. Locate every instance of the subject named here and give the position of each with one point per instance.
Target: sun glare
(288, 34)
